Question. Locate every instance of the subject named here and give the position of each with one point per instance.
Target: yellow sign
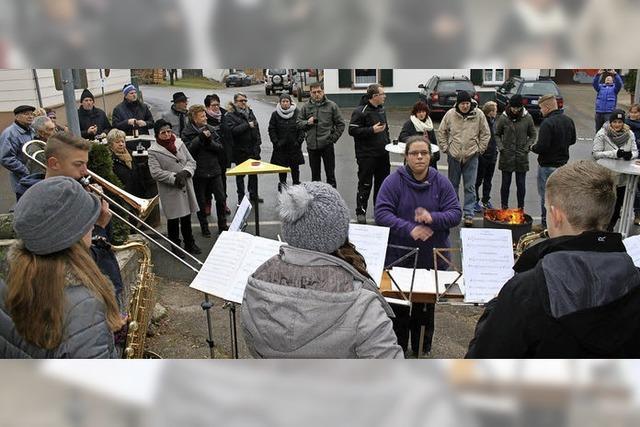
(256, 167)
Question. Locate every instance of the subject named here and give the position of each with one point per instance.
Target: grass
(195, 83)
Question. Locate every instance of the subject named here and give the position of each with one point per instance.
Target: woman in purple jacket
(419, 205)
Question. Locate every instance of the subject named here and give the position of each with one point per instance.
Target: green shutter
(344, 78)
(476, 77)
(386, 77)
(513, 72)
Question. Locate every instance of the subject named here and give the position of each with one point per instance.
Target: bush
(630, 81)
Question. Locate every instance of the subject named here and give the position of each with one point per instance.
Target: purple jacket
(399, 197)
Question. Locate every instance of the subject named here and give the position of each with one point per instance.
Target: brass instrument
(529, 239)
(34, 150)
(141, 297)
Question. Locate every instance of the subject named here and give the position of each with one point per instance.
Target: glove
(626, 155)
(180, 181)
(620, 153)
(185, 174)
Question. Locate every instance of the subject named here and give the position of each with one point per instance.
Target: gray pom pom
(294, 203)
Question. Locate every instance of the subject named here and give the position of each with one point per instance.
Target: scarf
(124, 157)
(420, 126)
(244, 112)
(169, 144)
(619, 138)
(181, 115)
(216, 116)
(286, 114)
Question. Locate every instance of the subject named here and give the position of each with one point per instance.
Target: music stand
(438, 253)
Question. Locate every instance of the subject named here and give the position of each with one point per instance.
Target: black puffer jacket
(131, 177)
(368, 143)
(572, 297)
(88, 118)
(204, 150)
(132, 110)
(245, 140)
(219, 125)
(287, 139)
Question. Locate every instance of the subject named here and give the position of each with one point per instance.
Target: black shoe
(177, 252)
(193, 249)
(222, 227)
(227, 211)
(205, 230)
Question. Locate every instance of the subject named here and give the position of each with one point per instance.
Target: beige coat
(163, 166)
(463, 137)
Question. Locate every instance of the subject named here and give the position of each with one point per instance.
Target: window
(365, 77)
(493, 75)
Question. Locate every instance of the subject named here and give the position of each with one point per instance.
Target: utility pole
(70, 100)
(636, 94)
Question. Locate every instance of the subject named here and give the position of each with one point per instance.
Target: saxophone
(527, 240)
(141, 302)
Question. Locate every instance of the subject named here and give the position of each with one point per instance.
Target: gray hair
(39, 123)
(114, 135)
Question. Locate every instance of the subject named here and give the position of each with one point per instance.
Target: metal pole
(70, 100)
(104, 102)
(636, 95)
(35, 79)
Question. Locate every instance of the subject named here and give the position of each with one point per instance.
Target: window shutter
(476, 77)
(386, 77)
(344, 78)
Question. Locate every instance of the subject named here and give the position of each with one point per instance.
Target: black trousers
(295, 176)
(328, 157)
(252, 187)
(601, 118)
(485, 174)
(173, 229)
(405, 325)
(618, 206)
(370, 169)
(204, 189)
(506, 186)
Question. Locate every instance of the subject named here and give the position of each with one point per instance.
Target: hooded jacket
(368, 143)
(514, 137)
(328, 125)
(464, 136)
(305, 304)
(607, 95)
(397, 201)
(572, 296)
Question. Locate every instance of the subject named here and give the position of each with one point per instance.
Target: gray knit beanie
(314, 216)
(54, 214)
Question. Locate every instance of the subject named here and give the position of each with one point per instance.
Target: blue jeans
(468, 171)
(543, 175)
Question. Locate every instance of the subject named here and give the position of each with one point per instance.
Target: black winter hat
(463, 96)
(23, 109)
(179, 96)
(86, 94)
(515, 101)
(159, 124)
(617, 114)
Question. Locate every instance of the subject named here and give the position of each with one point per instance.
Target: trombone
(34, 148)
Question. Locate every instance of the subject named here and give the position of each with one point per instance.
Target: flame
(507, 216)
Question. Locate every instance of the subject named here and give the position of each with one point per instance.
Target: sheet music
(425, 280)
(487, 262)
(371, 241)
(234, 257)
(241, 214)
(633, 248)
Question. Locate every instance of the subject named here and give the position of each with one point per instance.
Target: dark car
(440, 92)
(530, 90)
(238, 79)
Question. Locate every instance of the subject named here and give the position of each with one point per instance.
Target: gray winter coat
(163, 166)
(514, 140)
(306, 304)
(328, 125)
(86, 333)
(11, 141)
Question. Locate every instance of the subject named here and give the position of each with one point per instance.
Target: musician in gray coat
(172, 167)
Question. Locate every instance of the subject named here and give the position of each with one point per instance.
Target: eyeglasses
(418, 153)
(214, 105)
(242, 100)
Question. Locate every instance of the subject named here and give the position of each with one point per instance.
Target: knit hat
(314, 216)
(159, 124)
(128, 88)
(86, 94)
(463, 96)
(616, 114)
(54, 214)
(23, 109)
(515, 101)
(285, 96)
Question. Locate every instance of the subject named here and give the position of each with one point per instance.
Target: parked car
(530, 90)
(441, 92)
(238, 79)
(277, 80)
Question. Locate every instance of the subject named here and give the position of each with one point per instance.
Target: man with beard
(132, 115)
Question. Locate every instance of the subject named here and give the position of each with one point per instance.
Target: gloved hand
(626, 155)
(185, 174)
(180, 181)
(620, 153)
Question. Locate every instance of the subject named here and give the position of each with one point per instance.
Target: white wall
(215, 73)
(404, 80)
(18, 87)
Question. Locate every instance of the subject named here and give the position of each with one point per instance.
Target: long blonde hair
(35, 291)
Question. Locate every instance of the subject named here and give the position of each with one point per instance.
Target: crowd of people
(316, 299)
